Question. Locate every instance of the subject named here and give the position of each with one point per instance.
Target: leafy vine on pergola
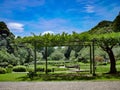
(103, 40)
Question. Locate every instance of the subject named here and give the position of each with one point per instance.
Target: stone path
(80, 85)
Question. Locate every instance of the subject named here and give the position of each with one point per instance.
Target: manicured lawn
(12, 76)
(57, 77)
(64, 74)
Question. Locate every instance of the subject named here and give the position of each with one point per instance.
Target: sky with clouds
(24, 17)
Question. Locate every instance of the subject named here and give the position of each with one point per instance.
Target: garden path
(76, 85)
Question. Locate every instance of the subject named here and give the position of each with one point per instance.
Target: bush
(50, 70)
(10, 66)
(30, 69)
(2, 71)
(40, 69)
(19, 69)
(31, 74)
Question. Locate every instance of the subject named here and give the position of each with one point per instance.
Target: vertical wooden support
(35, 57)
(46, 66)
(90, 59)
(93, 44)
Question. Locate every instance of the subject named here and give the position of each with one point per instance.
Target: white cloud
(15, 27)
(46, 32)
(89, 8)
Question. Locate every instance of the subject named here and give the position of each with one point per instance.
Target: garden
(76, 56)
(59, 68)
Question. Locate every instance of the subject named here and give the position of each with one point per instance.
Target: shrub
(40, 69)
(19, 69)
(30, 69)
(49, 70)
(2, 71)
(9, 70)
(31, 74)
(10, 66)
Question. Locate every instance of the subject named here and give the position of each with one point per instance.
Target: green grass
(106, 68)
(12, 76)
(62, 74)
(58, 77)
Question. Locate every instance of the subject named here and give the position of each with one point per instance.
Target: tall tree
(68, 52)
(107, 42)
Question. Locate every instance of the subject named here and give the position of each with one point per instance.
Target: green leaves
(107, 40)
(110, 38)
(55, 40)
(63, 39)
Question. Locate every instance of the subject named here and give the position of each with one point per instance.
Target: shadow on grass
(70, 77)
(57, 77)
(111, 76)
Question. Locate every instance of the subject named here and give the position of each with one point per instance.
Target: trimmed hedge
(2, 71)
(19, 69)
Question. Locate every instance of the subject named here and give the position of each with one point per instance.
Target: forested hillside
(106, 26)
(10, 52)
(6, 37)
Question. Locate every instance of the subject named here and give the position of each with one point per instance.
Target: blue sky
(24, 17)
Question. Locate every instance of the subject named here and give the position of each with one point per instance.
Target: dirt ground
(80, 85)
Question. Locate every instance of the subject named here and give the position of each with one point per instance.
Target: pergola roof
(65, 39)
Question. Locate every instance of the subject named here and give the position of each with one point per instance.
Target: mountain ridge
(106, 26)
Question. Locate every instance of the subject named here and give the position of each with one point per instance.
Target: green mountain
(10, 52)
(6, 37)
(106, 26)
(116, 24)
(5, 31)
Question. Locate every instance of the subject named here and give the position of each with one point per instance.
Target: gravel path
(84, 85)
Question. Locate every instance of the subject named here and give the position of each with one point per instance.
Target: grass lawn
(63, 74)
(12, 76)
(58, 77)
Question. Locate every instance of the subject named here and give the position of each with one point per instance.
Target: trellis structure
(61, 40)
(90, 44)
(70, 40)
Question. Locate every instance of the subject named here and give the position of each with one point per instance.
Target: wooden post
(90, 59)
(93, 58)
(35, 57)
(46, 70)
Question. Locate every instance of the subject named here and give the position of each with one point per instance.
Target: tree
(56, 55)
(107, 42)
(67, 53)
(50, 50)
(8, 58)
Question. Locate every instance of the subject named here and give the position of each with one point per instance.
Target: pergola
(91, 45)
(105, 41)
